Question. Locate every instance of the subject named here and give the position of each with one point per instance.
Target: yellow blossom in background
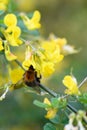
(9, 56)
(51, 112)
(1, 46)
(71, 84)
(61, 42)
(13, 32)
(64, 47)
(10, 20)
(32, 23)
(3, 4)
(16, 74)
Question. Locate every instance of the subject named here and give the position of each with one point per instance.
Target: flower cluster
(11, 34)
(44, 57)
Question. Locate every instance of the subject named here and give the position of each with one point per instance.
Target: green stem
(52, 93)
(18, 62)
(83, 82)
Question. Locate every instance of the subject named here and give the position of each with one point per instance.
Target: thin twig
(83, 82)
(18, 62)
(51, 92)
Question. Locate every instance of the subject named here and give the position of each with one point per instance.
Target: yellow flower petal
(61, 42)
(32, 23)
(16, 32)
(10, 20)
(13, 38)
(26, 64)
(16, 75)
(71, 83)
(46, 101)
(36, 16)
(10, 56)
(47, 69)
(51, 113)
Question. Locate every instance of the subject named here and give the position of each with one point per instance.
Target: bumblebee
(30, 77)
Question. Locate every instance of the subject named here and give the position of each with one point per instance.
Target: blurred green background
(64, 18)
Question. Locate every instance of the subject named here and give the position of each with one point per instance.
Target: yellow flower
(13, 38)
(52, 51)
(71, 84)
(16, 75)
(3, 4)
(9, 56)
(32, 58)
(51, 112)
(13, 32)
(47, 68)
(32, 23)
(10, 20)
(1, 46)
(28, 58)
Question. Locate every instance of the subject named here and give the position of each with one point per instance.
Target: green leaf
(83, 98)
(49, 126)
(55, 120)
(60, 118)
(54, 102)
(40, 104)
(58, 103)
